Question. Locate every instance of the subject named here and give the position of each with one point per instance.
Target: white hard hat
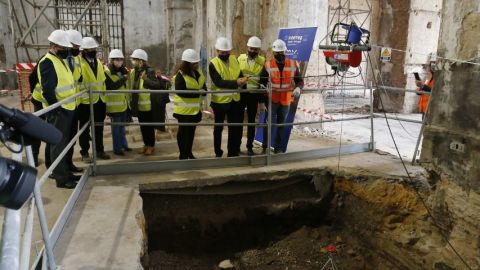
(223, 44)
(60, 37)
(279, 46)
(75, 37)
(115, 53)
(89, 43)
(140, 54)
(190, 55)
(254, 42)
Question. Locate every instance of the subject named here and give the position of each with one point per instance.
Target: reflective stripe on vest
(253, 72)
(144, 104)
(189, 106)
(65, 82)
(90, 81)
(116, 102)
(281, 81)
(229, 74)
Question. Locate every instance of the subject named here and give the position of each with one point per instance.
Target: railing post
(28, 227)
(420, 135)
(92, 130)
(372, 131)
(269, 124)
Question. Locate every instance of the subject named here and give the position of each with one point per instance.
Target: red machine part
(352, 59)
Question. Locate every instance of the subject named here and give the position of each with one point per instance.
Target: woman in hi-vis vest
(187, 107)
(427, 87)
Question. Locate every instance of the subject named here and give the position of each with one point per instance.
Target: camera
(17, 180)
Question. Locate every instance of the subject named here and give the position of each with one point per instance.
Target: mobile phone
(417, 77)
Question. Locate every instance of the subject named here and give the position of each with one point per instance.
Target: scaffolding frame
(101, 19)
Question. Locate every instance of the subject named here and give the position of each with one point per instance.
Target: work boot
(103, 155)
(219, 154)
(250, 152)
(149, 151)
(67, 185)
(86, 158)
(191, 156)
(75, 169)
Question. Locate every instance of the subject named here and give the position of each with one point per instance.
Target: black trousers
(73, 131)
(186, 134)
(99, 113)
(62, 120)
(37, 106)
(148, 132)
(250, 101)
(230, 111)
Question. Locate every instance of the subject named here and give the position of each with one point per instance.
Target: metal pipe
(44, 227)
(87, 7)
(404, 90)
(92, 130)
(28, 229)
(379, 115)
(372, 133)
(42, 11)
(353, 48)
(420, 135)
(58, 104)
(10, 252)
(269, 127)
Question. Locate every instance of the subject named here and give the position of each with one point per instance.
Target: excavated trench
(289, 222)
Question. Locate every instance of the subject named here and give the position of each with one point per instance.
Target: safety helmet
(279, 46)
(60, 37)
(254, 42)
(223, 44)
(115, 53)
(190, 55)
(139, 54)
(75, 37)
(89, 43)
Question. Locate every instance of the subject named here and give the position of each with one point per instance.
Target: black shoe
(74, 178)
(86, 158)
(219, 154)
(103, 155)
(128, 149)
(277, 151)
(191, 156)
(119, 153)
(67, 185)
(182, 157)
(75, 169)
(233, 155)
(264, 151)
(250, 152)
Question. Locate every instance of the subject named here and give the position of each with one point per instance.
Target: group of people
(71, 66)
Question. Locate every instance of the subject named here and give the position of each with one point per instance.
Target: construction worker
(116, 78)
(226, 75)
(73, 62)
(284, 76)
(93, 77)
(427, 87)
(57, 83)
(142, 76)
(251, 65)
(186, 107)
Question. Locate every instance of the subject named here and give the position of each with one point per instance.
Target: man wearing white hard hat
(56, 83)
(225, 73)
(73, 62)
(186, 107)
(93, 77)
(286, 80)
(142, 76)
(117, 103)
(251, 65)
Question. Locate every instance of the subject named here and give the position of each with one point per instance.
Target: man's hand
(242, 81)
(297, 92)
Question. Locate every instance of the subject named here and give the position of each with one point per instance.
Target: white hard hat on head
(279, 46)
(60, 38)
(115, 53)
(89, 43)
(254, 42)
(190, 55)
(140, 54)
(223, 44)
(75, 37)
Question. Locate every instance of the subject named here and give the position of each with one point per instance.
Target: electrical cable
(434, 221)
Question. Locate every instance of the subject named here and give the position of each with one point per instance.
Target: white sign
(386, 54)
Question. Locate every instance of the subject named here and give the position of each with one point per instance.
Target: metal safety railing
(17, 256)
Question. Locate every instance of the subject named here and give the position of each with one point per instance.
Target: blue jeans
(279, 114)
(118, 132)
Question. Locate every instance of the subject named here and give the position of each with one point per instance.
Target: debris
(225, 264)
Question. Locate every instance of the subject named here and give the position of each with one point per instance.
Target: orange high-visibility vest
(423, 101)
(281, 81)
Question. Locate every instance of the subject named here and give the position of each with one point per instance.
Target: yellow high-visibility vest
(253, 72)
(116, 102)
(65, 82)
(189, 106)
(89, 80)
(229, 74)
(144, 103)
